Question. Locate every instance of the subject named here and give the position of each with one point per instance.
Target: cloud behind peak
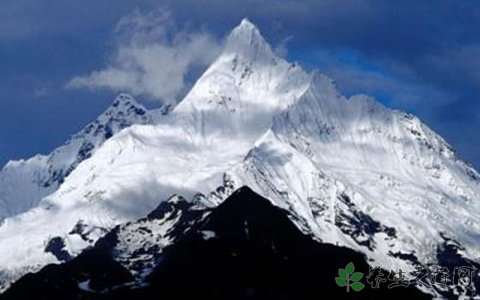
(152, 57)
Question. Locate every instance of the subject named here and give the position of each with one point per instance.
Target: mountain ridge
(245, 248)
(350, 171)
(25, 182)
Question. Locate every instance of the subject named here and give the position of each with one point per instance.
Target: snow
(135, 241)
(85, 286)
(208, 234)
(327, 145)
(247, 231)
(289, 135)
(24, 183)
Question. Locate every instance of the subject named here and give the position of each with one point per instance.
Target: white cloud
(152, 57)
(281, 49)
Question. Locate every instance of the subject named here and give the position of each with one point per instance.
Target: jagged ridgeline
(245, 248)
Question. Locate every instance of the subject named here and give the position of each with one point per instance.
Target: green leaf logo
(349, 278)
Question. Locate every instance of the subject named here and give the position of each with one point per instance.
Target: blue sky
(58, 58)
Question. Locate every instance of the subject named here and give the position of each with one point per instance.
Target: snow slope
(339, 164)
(350, 171)
(24, 183)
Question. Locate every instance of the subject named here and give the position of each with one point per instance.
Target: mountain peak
(247, 24)
(124, 105)
(124, 100)
(246, 41)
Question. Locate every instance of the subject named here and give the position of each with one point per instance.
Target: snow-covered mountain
(24, 183)
(338, 163)
(350, 171)
(244, 248)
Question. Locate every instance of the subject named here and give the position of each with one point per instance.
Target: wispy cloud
(281, 48)
(391, 82)
(152, 57)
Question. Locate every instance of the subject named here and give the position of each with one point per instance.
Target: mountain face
(24, 183)
(338, 163)
(245, 248)
(349, 171)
